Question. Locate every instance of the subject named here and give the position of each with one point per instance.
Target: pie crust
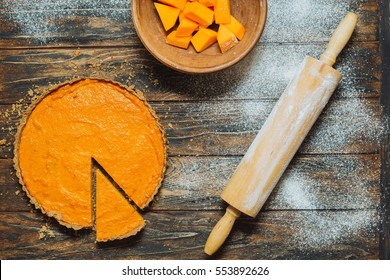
(81, 122)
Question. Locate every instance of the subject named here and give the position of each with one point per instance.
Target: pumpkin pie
(85, 122)
(115, 217)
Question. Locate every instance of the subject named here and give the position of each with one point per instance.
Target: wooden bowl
(251, 13)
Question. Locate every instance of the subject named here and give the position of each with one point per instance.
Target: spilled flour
(312, 193)
(307, 18)
(313, 227)
(247, 93)
(59, 15)
(322, 229)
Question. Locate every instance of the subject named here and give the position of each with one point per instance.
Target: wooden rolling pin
(281, 135)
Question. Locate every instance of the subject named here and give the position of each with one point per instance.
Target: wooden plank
(195, 183)
(273, 235)
(67, 22)
(264, 74)
(229, 108)
(93, 23)
(385, 151)
(229, 127)
(315, 21)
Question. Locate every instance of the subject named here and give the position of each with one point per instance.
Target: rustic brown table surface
(332, 202)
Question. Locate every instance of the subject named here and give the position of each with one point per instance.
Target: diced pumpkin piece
(236, 27)
(182, 15)
(175, 3)
(186, 27)
(226, 39)
(203, 39)
(199, 13)
(222, 11)
(207, 3)
(181, 42)
(167, 14)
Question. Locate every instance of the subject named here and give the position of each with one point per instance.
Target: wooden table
(333, 201)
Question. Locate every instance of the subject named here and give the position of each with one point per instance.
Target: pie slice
(115, 217)
(83, 120)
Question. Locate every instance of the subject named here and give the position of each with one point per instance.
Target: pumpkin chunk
(203, 39)
(199, 13)
(167, 14)
(186, 27)
(236, 27)
(207, 3)
(178, 41)
(175, 3)
(222, 11)
(226, 39)
(189, 16)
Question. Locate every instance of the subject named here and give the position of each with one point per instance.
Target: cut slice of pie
(115, 217)
(76, 122)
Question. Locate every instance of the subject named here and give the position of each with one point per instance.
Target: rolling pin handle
(339, 39)
(221, 230)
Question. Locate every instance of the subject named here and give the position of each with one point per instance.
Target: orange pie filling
(85, 120)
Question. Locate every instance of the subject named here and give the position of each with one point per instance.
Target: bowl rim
(198, 70)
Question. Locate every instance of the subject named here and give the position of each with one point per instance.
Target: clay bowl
(251, 13)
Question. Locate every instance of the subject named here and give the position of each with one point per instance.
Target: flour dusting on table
(59, 15)
(317, 226)
(244, 82)
(310, 19)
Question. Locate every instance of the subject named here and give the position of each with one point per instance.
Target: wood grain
(110, 24)
(181, 235)
(195, 183)
(263, 74)
(228, 128)
(385, 151)
(342, 167)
